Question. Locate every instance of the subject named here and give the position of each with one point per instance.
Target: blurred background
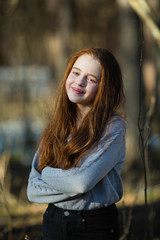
(36, 40)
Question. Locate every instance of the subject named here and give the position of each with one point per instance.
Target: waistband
(111, 209)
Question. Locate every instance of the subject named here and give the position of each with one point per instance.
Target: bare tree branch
(143, 10)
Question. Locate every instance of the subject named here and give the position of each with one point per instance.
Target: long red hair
(55, 149)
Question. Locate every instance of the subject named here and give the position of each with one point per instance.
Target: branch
(143, 10)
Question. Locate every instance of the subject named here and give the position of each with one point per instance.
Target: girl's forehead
(86, 58)
(88, 63)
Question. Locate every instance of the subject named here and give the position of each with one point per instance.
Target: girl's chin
(75, 100)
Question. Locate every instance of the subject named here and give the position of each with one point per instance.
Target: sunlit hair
(62, 144)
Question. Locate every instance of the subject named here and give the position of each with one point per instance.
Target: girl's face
(82, 82)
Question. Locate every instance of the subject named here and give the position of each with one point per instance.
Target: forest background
(36, 39)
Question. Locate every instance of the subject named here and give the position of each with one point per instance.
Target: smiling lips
(77, 90)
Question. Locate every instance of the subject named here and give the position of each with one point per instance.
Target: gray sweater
(95, 182)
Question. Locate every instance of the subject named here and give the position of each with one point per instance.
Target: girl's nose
(81, 81)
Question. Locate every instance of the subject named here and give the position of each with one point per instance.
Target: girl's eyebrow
(76, 68)
(81, 70)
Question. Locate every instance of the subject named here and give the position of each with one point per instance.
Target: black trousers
(99, 224)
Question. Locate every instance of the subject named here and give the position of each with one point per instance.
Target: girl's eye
(92, 80)
(76, 73)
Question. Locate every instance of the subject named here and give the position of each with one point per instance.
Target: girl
(76, 169)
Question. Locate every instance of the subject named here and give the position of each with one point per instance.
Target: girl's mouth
(77, 90)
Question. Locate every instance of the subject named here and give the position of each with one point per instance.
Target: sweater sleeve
(94, 167)
(39, 191)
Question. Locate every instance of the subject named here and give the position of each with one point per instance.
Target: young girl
(76, 169)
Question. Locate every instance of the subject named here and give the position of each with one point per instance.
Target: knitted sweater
(95, 182)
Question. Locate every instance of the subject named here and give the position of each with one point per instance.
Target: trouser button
(66, 213)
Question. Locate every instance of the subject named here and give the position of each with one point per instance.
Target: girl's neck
(82, 110)
(81, 115)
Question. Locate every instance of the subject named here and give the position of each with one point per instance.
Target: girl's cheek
(69, 80)
(67, 84)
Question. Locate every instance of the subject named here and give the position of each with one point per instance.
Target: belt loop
(79, 217)
(52, 210)
(115, 208)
